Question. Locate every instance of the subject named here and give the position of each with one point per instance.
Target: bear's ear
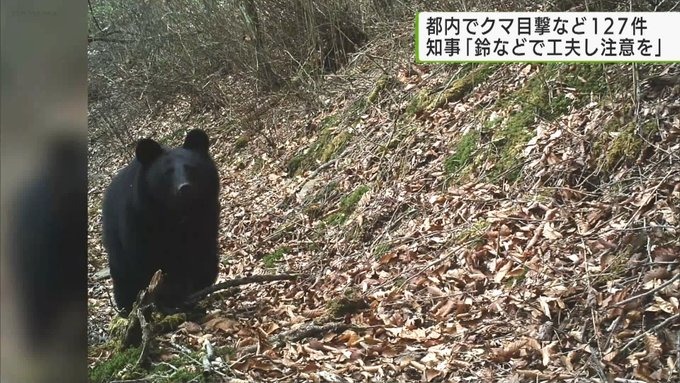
(197, 140)
(148, 150)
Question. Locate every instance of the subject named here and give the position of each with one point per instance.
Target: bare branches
(238, 282)
(296, 335)
(139, 329)
(652, 291)
(653, 329)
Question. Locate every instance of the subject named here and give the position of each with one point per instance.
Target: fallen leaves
(461, 278)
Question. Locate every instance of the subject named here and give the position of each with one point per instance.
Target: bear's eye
(168, 172)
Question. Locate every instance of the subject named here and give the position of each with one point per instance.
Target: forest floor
(450, 223)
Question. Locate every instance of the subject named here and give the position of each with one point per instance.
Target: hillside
(450, 223)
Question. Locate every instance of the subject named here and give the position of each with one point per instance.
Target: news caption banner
(547, 36)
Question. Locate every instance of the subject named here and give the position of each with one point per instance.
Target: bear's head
(178, 180)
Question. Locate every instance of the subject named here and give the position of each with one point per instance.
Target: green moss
(226, 352)
(620, 144)
(587, 82)
(349, 202)
(585, 78)
(241, 142)
(334, 146)
(463, 152)
(418, 102)
(381, 250)
(336, 219)
(121, 365)
(347, 206)
(649, 129)
(623, 148)
(502, 141)
(538, 96)
(546, 101)
(329, 121)
(327, 146)
(117, 327)
(295, 163)
(509, 143)
(424, 102)
(163, 324)
(351, 303)
(108, 370)
(460, 88)
(318, 234)
(535, 101)
(270, 260)
(384, 83)
(474, 233)
(184, 370)
(506, 137)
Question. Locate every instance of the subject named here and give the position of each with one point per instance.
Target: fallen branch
(146, 336)
(660, 325)
(187, 353)
(301, 333)
(652, 291)
(194, 298)
(209, 356)
(138, 329)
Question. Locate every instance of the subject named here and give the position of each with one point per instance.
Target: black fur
(162, 212)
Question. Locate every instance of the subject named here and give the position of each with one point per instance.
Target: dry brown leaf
(432, 374)
(549, 232)
(543, 301)
(500, 274)
(227, 325)
(548, 352)
(507, 351)
(656, 273)
(446, 308)
(653, 347)
(662, 305)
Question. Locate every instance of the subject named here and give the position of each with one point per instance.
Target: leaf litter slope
(499, 234)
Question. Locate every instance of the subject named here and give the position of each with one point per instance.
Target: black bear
(162, 212)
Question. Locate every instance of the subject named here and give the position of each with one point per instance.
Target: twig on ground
(146, 336)
(301, 333)
(238, 282)
(652, 291)
(660, 325)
